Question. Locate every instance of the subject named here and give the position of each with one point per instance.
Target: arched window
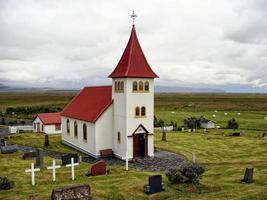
(75, 129)
(116, 86)
(146, 86)
(122, 86)
(119, 137)
(84, 131)
(137, 111)
(141, 86)
(68, 126)
(143, 111)
(119, 86)
(134, 86)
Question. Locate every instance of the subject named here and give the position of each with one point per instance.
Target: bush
(185, 173)
(6, 184)
(232, 124)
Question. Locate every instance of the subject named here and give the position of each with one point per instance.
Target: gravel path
(161, 161)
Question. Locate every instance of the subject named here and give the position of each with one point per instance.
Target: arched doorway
(140, 142)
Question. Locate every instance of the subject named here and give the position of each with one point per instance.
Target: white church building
(117, 117)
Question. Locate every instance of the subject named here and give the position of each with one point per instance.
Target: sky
(188, 43)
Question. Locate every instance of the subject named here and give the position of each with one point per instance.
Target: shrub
(185, 173)
(232, 124)
(6, 184)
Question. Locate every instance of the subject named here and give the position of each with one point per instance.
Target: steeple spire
(133, 62)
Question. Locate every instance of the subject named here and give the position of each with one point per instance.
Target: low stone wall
(77, 192)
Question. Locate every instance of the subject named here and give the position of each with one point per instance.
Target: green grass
(225, 157)
(37, 140)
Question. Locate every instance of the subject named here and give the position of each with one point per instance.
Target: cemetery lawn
(226, 158)
(37, 140)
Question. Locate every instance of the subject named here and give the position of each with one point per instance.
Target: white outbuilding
(117, 117)
(48, 123)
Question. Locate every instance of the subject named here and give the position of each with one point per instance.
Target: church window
(143, 111)
(84, 132)
(75, 129)
(116, 86)
(68, 126)
(122, 86)
(137, 111)
(146, 86)
(119, 86)
(134, 86)
(141, 86)
(34, 125)
(119, 137)
(57, 127)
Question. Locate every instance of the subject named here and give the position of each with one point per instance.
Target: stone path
(161, 161)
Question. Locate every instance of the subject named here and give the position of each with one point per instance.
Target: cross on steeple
(133, 16)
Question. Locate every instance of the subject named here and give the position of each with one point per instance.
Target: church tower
(133, 102)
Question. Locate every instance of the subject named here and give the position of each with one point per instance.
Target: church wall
(104, 131)
(79, 143)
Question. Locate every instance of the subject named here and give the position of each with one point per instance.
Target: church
(118, 117)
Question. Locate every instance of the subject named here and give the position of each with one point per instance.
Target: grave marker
(72, 165)
(54, 167)
(32, 171)
(154, 184)
(39, 161)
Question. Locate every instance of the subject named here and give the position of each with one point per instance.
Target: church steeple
(133, 62)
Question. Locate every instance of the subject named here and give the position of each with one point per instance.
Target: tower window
(134, 86)
(137, 111)
(143, 111)
(68, 126)
(141, 86)
(119, 137)
(119, 86)
(146, 86)
(84, 132)
(75, 129)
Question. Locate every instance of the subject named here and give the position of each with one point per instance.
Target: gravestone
(39, 162)
(2, 142)
(99, 168)
(154, 184)
(29, 155)
(66, 159)
(9, 149)
(77, 192)
(46, 143)
(248, 177)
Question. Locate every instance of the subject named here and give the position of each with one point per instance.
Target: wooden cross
(72, 165)
(54, 167)
(32, 170)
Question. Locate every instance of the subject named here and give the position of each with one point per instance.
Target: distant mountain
(177, 89)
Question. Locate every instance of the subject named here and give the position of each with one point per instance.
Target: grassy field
(225, 157)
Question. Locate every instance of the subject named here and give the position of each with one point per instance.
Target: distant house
(48, 123)
(205, 123)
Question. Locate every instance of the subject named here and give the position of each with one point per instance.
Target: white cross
(54, 167)
(133, 16)
(194, 157)
(32, 170)
(72, 168)
(127, 161)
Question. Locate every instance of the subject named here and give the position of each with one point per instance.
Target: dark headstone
(29, 155)
(2, 142)
(248, 177)
(99, 168)
(154, 184)
(9, 149)
(78, 192)
(46, 144)
(66, 159)
(39, 162)
(236, 134)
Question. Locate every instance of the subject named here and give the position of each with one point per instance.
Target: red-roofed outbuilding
(48, 123)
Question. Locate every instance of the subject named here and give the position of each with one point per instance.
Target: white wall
(37, 120)
(79, 143)
(124, 115)
(48, 129)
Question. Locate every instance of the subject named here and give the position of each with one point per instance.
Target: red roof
(49, 118)
(89, 104)
(133, 62)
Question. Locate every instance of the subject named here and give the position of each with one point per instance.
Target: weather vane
(133, 16)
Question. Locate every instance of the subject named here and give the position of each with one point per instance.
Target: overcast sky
(189, 43)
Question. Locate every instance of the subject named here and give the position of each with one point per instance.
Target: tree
(232, 124)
